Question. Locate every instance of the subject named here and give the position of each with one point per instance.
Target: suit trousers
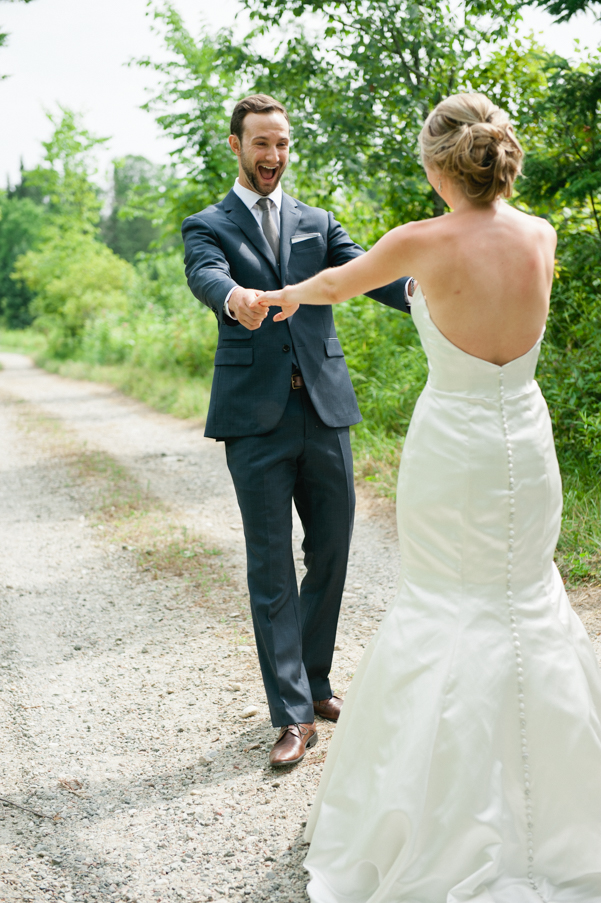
(303, 460)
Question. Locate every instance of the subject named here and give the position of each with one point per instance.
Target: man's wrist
(226, 304)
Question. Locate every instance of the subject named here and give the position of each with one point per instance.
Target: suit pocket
(304, 236)
(236, 333)
(234, 357)
(333, 347)
(315, 243)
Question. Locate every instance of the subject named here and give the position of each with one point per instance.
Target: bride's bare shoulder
(536, 225)
(418, 231)
(545, 228)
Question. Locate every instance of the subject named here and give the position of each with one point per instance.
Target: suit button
(285, 347)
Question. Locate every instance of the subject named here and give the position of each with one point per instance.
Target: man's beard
(252, 178)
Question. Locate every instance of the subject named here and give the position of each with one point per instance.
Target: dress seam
(525, 748)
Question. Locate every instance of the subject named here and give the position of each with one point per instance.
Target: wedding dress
(466, 765)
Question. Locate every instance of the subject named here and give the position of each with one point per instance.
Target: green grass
(22, 341)
(169, 392)
(376, 458)
(579, 547)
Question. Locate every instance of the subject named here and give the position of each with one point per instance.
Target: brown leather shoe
(328, 708)
(292, 744)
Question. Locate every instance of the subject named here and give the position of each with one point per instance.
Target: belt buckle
(296, 381)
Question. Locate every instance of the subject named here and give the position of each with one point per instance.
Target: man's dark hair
(254, 103)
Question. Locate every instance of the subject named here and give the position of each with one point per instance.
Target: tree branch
(595, 214)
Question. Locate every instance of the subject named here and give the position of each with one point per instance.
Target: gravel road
(125, 690)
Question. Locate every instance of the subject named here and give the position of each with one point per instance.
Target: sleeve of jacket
(341, 249)
(207, 269)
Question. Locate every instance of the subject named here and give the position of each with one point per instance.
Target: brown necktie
(269, 228)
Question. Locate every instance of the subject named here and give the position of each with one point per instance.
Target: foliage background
(100, 278)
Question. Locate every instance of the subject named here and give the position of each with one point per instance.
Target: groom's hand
(239, 304)
(277, 299)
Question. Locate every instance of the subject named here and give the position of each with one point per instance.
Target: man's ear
(234, 143)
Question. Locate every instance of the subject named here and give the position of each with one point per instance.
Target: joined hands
(265, 300)
(242, 306)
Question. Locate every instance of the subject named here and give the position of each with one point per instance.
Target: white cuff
(226, 307)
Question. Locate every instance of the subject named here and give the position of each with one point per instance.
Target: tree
(358, 76)
(73, 278)
(563, 167)
(64, 178)
(72, 275)
(562, 181)
(21, 224)
(50, 206)
(125, 230)
(24, 189)
(192, 107)
(564, 10)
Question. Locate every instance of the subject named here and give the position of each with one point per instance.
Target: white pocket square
(303, 236)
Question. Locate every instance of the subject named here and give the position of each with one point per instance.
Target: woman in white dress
(466, 765)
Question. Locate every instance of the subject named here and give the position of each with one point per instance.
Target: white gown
(466, 765)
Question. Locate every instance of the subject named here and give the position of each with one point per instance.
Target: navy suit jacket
(225, 247)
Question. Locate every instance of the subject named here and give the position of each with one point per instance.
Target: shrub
(74, 278)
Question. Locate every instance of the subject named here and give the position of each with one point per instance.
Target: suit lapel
(289, 220)
(239, 214)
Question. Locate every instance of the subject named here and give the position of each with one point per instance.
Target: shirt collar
(250, 198)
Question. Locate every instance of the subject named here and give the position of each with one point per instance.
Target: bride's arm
(389, 259)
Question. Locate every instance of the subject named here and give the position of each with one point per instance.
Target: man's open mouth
(267, 173)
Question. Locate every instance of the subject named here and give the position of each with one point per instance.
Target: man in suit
(282, 401)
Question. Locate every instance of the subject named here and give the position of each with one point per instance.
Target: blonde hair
(469, 139)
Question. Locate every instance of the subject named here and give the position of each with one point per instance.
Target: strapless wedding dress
(466, 765)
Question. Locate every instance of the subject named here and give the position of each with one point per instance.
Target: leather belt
(297, 381)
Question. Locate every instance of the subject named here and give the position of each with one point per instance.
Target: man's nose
(271, 155)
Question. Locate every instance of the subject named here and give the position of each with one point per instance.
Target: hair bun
(471, 140)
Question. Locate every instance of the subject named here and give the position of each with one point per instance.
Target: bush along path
(133, 727)
(134, 731)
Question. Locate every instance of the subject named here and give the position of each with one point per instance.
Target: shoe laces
(302, 731)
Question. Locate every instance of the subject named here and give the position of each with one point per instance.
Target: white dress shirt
(250, 199)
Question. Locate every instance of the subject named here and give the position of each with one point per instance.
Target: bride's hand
(276, 299)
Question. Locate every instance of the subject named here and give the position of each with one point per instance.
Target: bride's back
(486, 269)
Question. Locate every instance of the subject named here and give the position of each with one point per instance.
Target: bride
(466, 765)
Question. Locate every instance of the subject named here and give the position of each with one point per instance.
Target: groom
(282, 401)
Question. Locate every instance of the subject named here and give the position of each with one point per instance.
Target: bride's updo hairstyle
(470, 140)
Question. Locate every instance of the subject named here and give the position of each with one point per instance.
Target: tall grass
(579, 547)
(171, 392)
(23, 341)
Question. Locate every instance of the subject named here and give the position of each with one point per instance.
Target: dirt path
(127, 660)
